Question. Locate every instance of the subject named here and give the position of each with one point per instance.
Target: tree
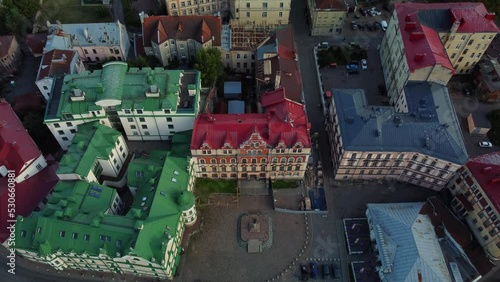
(209, 63)
(33, 122)
(17, 16)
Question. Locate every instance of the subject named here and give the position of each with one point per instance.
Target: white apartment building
(145, 104)
(260, 12)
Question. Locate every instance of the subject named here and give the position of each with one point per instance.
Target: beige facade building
(326, 17)
(432, 42)
(379, 143)
(195, 7)
(261, 12)
(476, 198)
(179, 38)
(10, 55)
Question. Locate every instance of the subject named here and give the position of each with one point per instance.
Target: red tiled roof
(284, 120)
(330, 4)
(423, 46)
(486, 171)
(36, 42)
(29, 193)
(289, 76)
(200, 28)
(16, 145)
(5, 42)
(56, 62)
(286, 47)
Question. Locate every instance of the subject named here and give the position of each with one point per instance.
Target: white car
(383, 24)
(484, 144)
(364, 66)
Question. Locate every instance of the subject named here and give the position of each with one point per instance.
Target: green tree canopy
(209, 63)
(16, 16)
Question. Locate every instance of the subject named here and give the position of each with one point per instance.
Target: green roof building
(84, 225)
(147, 104)
(95, 150)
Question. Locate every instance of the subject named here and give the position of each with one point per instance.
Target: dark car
(369, 26)
(336, 271)
(304, 272)
(361, 26)
(363, 12)
(326, 270)
(354, 25)
(314, 270)
(376, 25)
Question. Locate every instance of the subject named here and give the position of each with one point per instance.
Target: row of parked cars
(369, 26)
(372, 12)
(313, 271)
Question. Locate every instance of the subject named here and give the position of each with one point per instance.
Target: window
(62, 233)
(460, 59)
(74, 236)
(130, 119)
(94, 51)
(281, 5)
(280, 14)
(65, 138)
(170, 126)
(248, 5)
(264, 14)
(458, 46)
(139, 111)
(133, 127)
(485, 237)
(144, 126)
(248, 14)
(470, 42)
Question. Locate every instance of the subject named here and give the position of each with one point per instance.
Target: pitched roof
(91, 142)
(29, 194)
(36, 42)
(56, 62)
(16, 145)
(486, 171)
(423, 129)
(5, 43)
(285, 42)
(200, 28)
(330, 5)
(420, 23)
(285, 121)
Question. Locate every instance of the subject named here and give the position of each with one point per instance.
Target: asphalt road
(118, 11)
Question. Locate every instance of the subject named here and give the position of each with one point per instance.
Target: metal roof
(408, 246)
(236, 107)
(431, 126)
(232, 87)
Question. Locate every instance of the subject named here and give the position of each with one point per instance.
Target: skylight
(174, 180)
(176, 172)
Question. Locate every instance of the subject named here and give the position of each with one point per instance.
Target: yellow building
(432, 42)
(476, 198)
(326, 17)
(10, 55)
(260, 12)
(195, 7)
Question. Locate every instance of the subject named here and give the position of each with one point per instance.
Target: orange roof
(56, 62)
(200, 28)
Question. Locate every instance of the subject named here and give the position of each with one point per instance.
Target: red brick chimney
(416, 35)
(489, 16)
(408, 18)
(419, 57)
(410, 26)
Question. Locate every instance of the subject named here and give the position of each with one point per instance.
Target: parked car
(324, 45)
(383, 24)
(314, 270)
(376, 26)
(361, 26)
(363, 12)
(485, 144)
(304, 271)
(326, 271)
(467, 92)
(336, 271)
(376, 11)
(354, 25)
(368, 26)
(364, 65)
(371, 13)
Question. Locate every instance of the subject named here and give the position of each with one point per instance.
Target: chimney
(419, 57)
(495, 180)
(487, 169)
(455, 27)
(408, 18)
(416, 35)
(15, 146)
(410, 26)
(490, 16)
(277, 80)
(179, 27)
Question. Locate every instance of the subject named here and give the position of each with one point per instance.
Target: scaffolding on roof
(249, 35)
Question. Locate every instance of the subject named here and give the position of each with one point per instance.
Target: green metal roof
(128, 86)
(143, 231)
(91, 142)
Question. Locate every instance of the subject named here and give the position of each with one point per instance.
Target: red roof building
(29, 196)
(179, 37)
(18, 152)
(36, 43)
(476, 197)
(424, 28)
(277, 67)
(275, 144)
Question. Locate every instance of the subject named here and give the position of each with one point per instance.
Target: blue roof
(430, 127)
(232, 87)
(408, 246)
(236, 107)
(271, 47)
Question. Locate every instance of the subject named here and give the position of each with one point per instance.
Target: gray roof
(271, 46)
(438, 19)
(232, 87)
(430, 127)
(407, 243)
(100, 34)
